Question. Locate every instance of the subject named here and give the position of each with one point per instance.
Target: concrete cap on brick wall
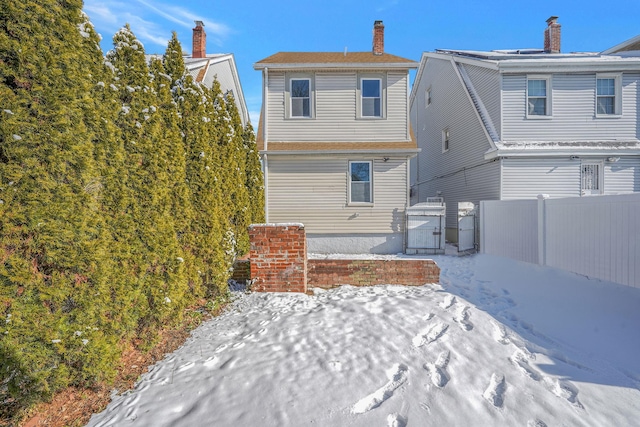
(280, 224)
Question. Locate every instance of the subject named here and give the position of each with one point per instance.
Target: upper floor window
(300, 97)
(446, 137)
(360, 180)
(607, 95)
(371, 98)
(538, 96)
(427, 97)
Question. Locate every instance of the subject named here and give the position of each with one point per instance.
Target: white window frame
(446, 140)
(427, 97)
(382, 79)
(548, 101)
(362, 97)
(291, 97)
(350, 183)
(617, 101)
(600, 178)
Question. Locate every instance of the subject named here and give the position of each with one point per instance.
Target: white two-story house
(335, 141)
(512, 124)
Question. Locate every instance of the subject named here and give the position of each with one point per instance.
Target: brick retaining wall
(329, 273)
(278, 263)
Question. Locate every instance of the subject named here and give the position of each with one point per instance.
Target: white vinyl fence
(595, 236)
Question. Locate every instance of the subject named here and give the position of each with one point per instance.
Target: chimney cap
(377, 23)
(199, 24)
(552, 20)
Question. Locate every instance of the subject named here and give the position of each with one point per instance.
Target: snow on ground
(497, 342)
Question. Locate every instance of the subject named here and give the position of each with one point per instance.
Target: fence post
(481, 227)
(542, 229)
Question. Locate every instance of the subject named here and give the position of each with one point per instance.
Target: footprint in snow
(448, 301)
(430, 334)
(396, 420)
(438, 370)
(566, 390)
(521, 360)
(186, 366)
(496, 390)
(210, 361)
(536, 423)
(500, 334)
(397, 376)
(462, 318)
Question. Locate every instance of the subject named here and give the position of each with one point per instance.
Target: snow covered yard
(497, 342)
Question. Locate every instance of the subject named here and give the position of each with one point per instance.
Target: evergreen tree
(156, 253)
(208, 223)
(255, 180)
(50, 217)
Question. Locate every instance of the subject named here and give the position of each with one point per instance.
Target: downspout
(265, 139)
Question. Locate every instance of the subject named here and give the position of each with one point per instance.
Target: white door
(591, 181)
(466, 226)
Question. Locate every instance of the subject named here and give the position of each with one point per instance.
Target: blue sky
(253, 30)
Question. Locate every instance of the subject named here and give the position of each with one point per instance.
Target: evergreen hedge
(126, 190)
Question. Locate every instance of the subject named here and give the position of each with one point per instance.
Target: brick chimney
(199, 41)
(552, 36)
(378, 38)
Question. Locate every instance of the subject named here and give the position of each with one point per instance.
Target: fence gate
(425, 226)
(466, 226)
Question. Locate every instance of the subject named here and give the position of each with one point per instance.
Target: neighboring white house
(512, 124)
(335, 142)
(205, 68)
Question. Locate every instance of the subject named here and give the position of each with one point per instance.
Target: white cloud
(150, 21)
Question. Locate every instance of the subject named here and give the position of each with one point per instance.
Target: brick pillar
(278, 257)
(199, 41)
(378, 38)
(552, 36)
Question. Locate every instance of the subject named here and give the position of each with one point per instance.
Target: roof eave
(336, 65)
(411, 152)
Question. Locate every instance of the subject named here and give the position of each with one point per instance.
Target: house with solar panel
(513, 124)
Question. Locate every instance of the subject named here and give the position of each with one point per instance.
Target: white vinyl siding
(622, 176)
(574, 111)
(313, 190)
(460, 174)
(334, 109)
(526, 178)
(487, 84)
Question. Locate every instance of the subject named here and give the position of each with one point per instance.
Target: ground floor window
(360, 182)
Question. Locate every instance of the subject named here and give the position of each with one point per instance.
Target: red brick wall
(278, 257)
(329, 273)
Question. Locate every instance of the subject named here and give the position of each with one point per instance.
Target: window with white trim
(446, 138)
(360, 182)
(538, 96)
(591, 181)
(608, 90)
(427, 97)
(371, 97)
(300, 94)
